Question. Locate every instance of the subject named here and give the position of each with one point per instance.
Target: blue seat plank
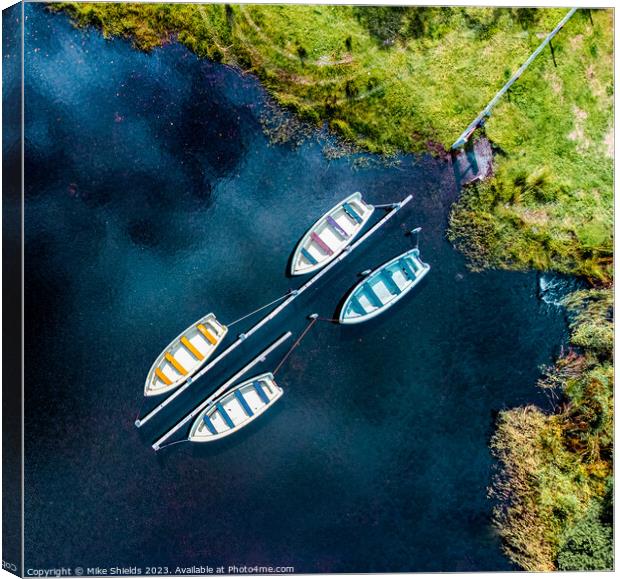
(224, 415)
(259, 390)
(404, 263)
(356, 306)
(374, 298)
(352, 213)
(390, 283)
(244, 404)
(336, 227)
(209, 424)
(308, 256)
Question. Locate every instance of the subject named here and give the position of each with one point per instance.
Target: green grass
(330, 62)
(550, 204)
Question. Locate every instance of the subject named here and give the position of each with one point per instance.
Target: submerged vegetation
(555, 484)
(391, 79)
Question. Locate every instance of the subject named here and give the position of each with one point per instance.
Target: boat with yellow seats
(185, 355)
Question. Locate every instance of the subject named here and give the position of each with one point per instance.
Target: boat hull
(383, 287)
(236, 409)
(185, 355)
(330, 235)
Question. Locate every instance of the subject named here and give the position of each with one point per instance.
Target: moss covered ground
(550, 203)
(385, 78)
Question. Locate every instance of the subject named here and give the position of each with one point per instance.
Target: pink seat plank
(321, 243)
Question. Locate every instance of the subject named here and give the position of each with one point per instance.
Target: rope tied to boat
(140, 410)
(289, 293)
(297, 342)
(173, 443)
(330, 320)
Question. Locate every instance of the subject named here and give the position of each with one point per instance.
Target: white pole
(260, 358)
(271, 315)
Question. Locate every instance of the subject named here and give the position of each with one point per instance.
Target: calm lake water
(153, 197)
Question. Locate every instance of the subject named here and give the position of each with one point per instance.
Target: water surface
(153, 197)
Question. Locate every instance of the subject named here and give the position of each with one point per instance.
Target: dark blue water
(153, 197)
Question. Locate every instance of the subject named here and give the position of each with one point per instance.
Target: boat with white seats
(236, 409)
(331, 234)
(383, 287)
(185, 355)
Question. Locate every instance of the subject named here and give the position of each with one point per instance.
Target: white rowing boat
(383, 287)
(236, 409)
(331, 234)
(185, 355)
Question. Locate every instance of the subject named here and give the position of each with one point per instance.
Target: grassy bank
(555, 484)
(385, 78)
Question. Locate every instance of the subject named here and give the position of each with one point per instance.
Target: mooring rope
(173, 443)
(297, 342)
(262, 308)
(141, 408)
(331, 320)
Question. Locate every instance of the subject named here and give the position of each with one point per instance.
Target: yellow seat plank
(176, 364)
(192, 349)
(207, 334)
(163, 377)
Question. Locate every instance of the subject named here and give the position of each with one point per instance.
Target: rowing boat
(235, 409)
(185, 355)
(331, 234)
(383, 287)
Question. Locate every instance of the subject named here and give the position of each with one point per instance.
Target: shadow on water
(289, 267)
(153, 197)
(472, 163)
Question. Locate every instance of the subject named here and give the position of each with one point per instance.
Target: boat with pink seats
(331, 234)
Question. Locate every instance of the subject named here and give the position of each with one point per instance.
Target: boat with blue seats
(383, 287)
(185, 355)
(236, 408)
(331, 234)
